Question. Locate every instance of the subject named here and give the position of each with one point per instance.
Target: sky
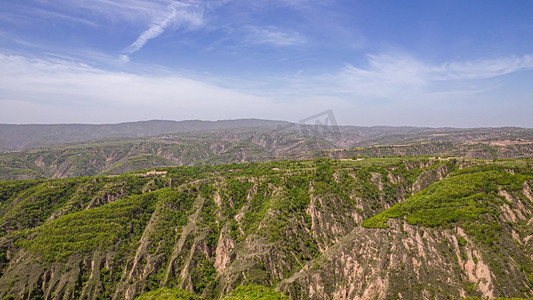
(416, 63)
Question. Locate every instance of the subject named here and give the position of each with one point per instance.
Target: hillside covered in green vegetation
(412, 228)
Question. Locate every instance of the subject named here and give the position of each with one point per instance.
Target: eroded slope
(293, 225)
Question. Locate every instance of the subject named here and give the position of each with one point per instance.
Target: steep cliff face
(322, 229)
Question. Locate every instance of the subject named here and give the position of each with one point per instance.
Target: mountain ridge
(238, 145)
(16, 137)
(24, 136)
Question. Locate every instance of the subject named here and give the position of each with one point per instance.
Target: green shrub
(252, 292)
(168, 294)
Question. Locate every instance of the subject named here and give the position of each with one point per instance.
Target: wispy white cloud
(86, 12)
(124, 10)
(275, 36)
(385, 76)
(395, 76)
(175, 15)
(485, 68)
(156, 16)
(36, 90)
(59, 90)
(29, 14)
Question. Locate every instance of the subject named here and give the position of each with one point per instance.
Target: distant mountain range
(26, 136)
(81, 150)
(18, 137)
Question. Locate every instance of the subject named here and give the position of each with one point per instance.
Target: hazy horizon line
(260, 119)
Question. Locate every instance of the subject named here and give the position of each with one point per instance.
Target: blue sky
(420, 63)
